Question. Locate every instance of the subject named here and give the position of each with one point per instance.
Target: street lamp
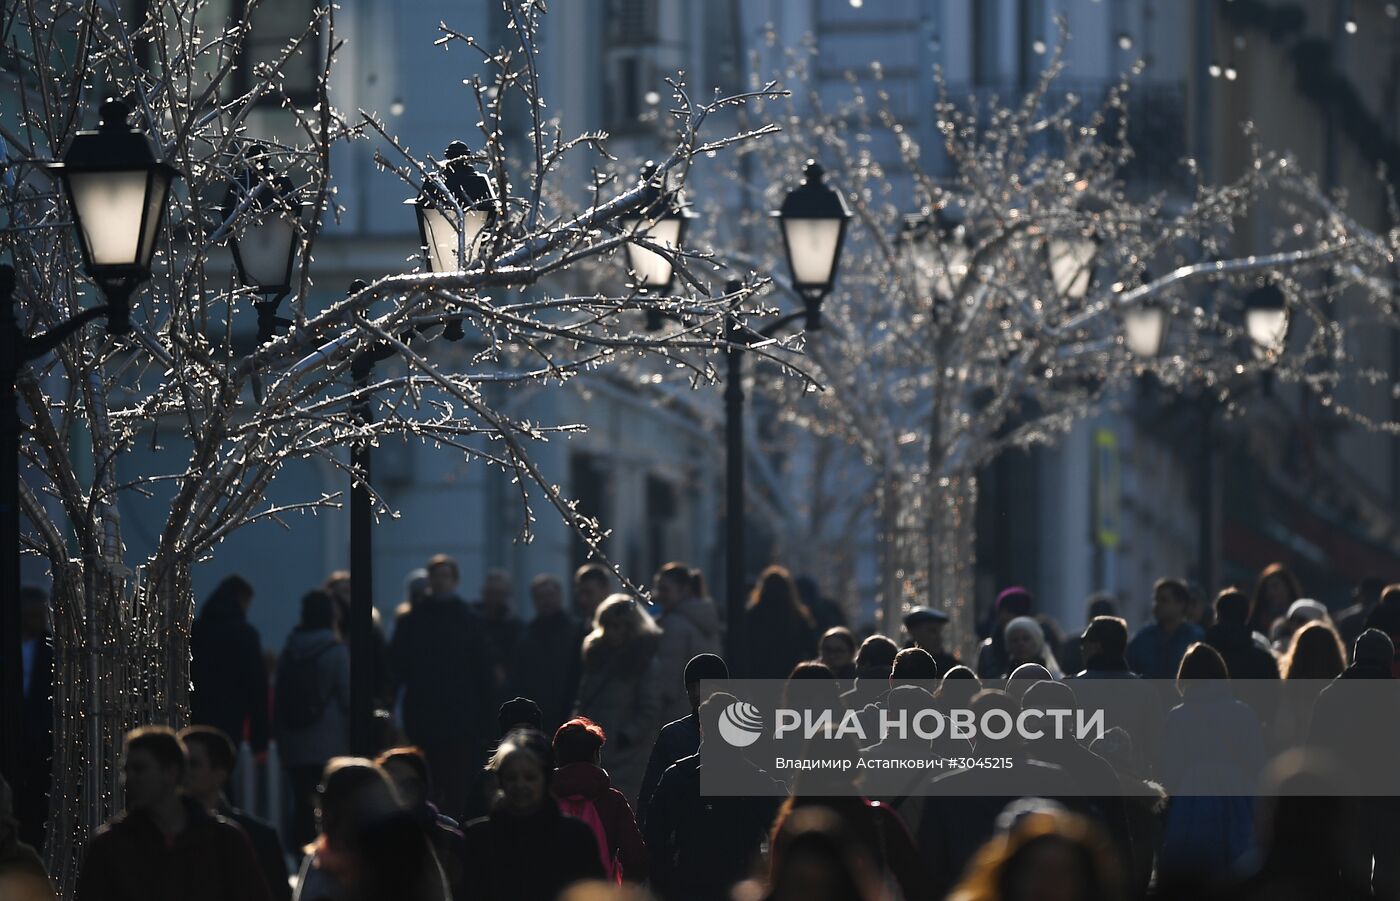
(660, 218)
(814, 220)
(940, 247)
(1266, 321)
(117, 191)
(453, 217)
(266, 249)
(1071, 261)
(1145, 329)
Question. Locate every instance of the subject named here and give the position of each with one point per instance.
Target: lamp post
(661, 219)
(362, 657)
(116, 190)
(454, 216)
(813, 219)
(265, 251)
(1266, 323)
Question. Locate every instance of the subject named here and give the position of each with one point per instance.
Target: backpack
(298, 699)
(582, 808)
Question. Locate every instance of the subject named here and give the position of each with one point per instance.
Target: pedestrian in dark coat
(408, 769)
(1366, 747)
(211, 763)
(1209, 828)
(1254, 670)
(579, 782)
(312, 708)
(527, 850)
(546, 664)
(680, 738)
(1156, 650)
(166, 847)
(700, 847)
(779, 630)
(226, 667)
(501, 629)
(441, 662)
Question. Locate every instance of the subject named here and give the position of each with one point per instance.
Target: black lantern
(1266, 321)
(813, 219)
(454, 214)
(660, 218)
(265, 250)
(940, 246)
(453, 218)
(117, 191)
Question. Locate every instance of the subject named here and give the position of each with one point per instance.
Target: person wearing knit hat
(992, 661)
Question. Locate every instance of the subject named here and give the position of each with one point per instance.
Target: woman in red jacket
(584, 790)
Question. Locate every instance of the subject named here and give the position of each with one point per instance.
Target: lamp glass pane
(1072, 266)
(812, 249)
(950, 268)
(441, 227)
(265, 249)
(109, 207)
(652, 269)
(155, 211)
(1267, 329)
(1143, 330)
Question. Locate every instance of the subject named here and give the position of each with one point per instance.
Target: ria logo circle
(740, 724)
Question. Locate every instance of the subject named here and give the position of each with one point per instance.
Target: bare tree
(996, 303)
(186, 376)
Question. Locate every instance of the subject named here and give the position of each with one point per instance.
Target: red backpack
(581, 807)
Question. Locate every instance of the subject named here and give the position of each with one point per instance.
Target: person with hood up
(311, 708)
(689, 625)
(778, 627)
(585, 792)
(527, 849)
(620, 686)
(227, 671)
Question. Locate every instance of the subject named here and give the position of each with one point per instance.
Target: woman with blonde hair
(618, 688)
(1315, 656)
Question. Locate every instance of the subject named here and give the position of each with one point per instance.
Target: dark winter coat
(586, 782)
(1153, 654)
(501, 638)
(228, 674)
(961, 810)
(777, 638)
(210, 860)
(701, 846)
(677, 739)
(440, 660)
(266, 846)
(531, 858)
(546, 667)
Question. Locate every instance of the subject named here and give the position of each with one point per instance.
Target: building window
(274, 26)
(589, 487)
(629, 61)
(986, 22)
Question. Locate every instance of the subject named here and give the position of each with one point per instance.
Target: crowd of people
(563, 757)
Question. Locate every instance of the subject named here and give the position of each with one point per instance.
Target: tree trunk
(903, 563)
(121, 660)
(952, 556)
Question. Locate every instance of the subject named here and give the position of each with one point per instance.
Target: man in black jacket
(440, 660)
(211, 763)
(546, 663)
(227, 668)
(680, 738)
